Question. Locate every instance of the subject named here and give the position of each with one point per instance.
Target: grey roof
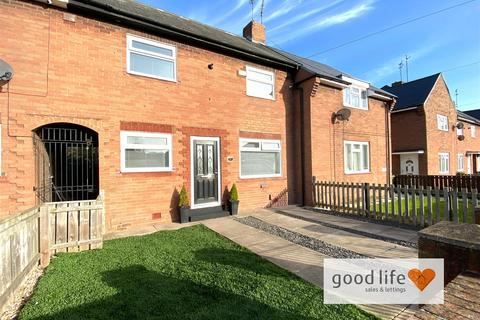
(183, 26)
(473, 113)
(466, 115)
(324, 70)
(413, 93)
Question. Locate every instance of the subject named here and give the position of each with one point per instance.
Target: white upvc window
(444, 162)
(355, 97)
(145, 152)
(260, 83)
(460, 162)
(473, 131)
(151, 58)
(356, 157)
(1, 150)
(442, 122)
(260, 158)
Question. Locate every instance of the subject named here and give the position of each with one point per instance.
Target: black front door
(205, 171)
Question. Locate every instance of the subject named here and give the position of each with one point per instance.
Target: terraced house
(119, 97)
(429, 135)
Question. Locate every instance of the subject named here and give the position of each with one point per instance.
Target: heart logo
(421, 278)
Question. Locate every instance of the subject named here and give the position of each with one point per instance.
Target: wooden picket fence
(415, 206)
(458, 182)
(35, 235)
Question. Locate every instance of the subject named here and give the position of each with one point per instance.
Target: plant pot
(185, 214)
(234, 207)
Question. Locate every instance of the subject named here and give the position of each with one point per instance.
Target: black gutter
(145, 24)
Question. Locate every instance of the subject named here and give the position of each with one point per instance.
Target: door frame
(219, 175)
(417, 161)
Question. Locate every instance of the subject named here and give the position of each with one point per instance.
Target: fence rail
(459, 182)
(35, 235)
(415, 206)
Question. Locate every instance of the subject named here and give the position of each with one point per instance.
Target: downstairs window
(260, 158)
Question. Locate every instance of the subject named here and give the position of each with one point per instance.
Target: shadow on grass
(144, 294)
(238, 259)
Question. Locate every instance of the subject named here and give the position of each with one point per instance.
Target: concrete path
(307, 263)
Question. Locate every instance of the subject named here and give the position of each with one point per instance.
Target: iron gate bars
(66, 163)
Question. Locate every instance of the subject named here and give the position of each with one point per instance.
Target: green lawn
(192, 273)
(435, 217)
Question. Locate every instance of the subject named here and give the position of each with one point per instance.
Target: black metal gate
(66, 163)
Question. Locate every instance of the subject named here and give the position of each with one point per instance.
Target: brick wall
(324, 141)
(75, 72)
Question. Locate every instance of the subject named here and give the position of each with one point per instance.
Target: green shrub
(183, 198)
(234, 193)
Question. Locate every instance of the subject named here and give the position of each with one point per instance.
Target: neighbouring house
(137, 102)
(429, 135)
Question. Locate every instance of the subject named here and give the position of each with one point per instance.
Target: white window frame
(125, 145)
(443, 156)
(460, 162)
(265, 72)
(173, 58)
(442, 122)
(361, 143)
(1, 173)
(362, 91)
(473, 131)
(259, 149)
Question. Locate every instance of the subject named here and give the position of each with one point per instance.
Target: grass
(192, 273)
(435, 215)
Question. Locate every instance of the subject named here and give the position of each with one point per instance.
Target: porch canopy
(409, 152)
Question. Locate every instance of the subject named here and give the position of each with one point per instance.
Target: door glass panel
(199, 159)
(210, 159)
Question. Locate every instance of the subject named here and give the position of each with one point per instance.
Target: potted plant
(234, 200)
(184, 205)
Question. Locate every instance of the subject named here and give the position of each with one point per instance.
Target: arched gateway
(66, 163)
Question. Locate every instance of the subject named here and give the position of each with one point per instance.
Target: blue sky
(442, 42)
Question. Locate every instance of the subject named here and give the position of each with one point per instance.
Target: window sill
(133, 73)
(263, 98)
(260, 177)
(357, 173)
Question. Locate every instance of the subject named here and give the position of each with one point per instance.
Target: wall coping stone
(458, 234)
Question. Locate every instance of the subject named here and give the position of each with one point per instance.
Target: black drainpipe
(302, 141)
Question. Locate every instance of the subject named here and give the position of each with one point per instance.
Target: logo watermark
(383, 281)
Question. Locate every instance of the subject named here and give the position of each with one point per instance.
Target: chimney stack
(397, 83)
(255, 32)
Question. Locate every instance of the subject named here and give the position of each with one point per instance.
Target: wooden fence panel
(457, 182)
(19, 250)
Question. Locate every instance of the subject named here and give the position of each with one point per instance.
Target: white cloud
(390, 67)
(287, 7)
(239, 5)
(328, 21)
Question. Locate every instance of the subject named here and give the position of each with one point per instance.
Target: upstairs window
(459, 131)
(357, 157)
(151, 59)
(355, 97)
(442, 122)
(260, 158)
(444, 162)
(260, 83)
(145, 152)
(473, 131)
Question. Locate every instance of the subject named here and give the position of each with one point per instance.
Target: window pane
(346, 96)
(356, 158)
(146, 158)
(259, 89)
(270, 146)
(254, 75)
(147, 140)
(152, 48)
(365, 156)
(260, 163)
(251, 144)
(355, 101)
(152, 66)
(348, 157)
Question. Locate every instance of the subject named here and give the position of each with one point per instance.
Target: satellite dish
(459, 125)
(343, 114)
(461, 137)
(6, 72)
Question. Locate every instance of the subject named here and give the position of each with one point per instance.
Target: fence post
(44, 235)
(366, 199)
(477, 215)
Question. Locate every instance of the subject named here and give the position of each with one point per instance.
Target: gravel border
(302, 240)
(403, 243)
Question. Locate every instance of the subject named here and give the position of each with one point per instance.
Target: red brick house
(429, 136)
(137, 102)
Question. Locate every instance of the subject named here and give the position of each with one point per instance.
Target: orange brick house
(137, 102)
(429, 135)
